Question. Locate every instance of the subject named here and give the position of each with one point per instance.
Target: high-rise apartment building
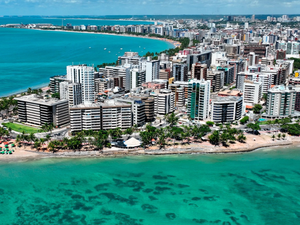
(199, 71)
(180, 72)
(35, 110)
(164, 74)
(252, 92)
(216, 79)
(203, 58)
(164, 101)
(226, 109)
(55, 83)
(228, 74)
(84, 75)
(178, 90)
(198, 99)
(136, 79)
(152, 69)
(72, 92)
(137, 109)
(100, 116)
(280, 101)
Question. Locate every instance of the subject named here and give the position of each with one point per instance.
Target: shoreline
(84, 18)
(174, 43)
(42, 86)
(23, 155)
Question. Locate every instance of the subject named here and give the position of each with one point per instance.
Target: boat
(104, 49)
(108, 51)
(121, 48)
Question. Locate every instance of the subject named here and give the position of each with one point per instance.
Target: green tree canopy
(257, 108)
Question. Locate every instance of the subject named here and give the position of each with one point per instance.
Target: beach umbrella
(13, 150)
(13, 145)
(10, 152)
(6, 146)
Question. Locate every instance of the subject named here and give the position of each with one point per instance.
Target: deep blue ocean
(258, 188)
(30, 57)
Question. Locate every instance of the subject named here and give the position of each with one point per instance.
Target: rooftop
(231, 93)
(39, 100)
(226, 99)
(282, 88)
(106, 104)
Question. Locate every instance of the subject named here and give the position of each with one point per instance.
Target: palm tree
(36, 145)
(32, 137)
(187, 133)
(45, 127)
(241, 138)
(29, 90)
(18, 138)
(42, 141)
(9, 130)
(172, 119)
(273, 137)
(51, 146)
(48, 137)
(51, 127)
(279, 136)
(65, 142)
(283, 136)
(161, 141)
(128, 131)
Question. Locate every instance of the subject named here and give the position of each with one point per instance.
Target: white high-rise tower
(84, 75)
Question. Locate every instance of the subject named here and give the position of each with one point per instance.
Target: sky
(147, 7)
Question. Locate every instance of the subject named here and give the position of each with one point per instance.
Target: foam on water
(253, 188)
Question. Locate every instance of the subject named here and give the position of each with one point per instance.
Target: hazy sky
(147, 7)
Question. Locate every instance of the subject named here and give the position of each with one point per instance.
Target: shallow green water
(261, 187)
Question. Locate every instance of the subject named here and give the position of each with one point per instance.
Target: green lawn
(20, 128)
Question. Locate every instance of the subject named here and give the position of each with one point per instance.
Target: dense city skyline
(154, 7)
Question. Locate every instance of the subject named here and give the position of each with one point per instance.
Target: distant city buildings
(224, 69)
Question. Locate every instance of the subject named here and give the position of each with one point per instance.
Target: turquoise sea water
(261, 187)
(30, 57)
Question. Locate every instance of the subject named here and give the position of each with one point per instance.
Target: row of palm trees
(34, 91)
(163, 136)
(226, 135)
(32, 140)
(91, 139)
(278, 136)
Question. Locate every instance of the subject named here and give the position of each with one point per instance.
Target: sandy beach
(174, 43)
(261, 141)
